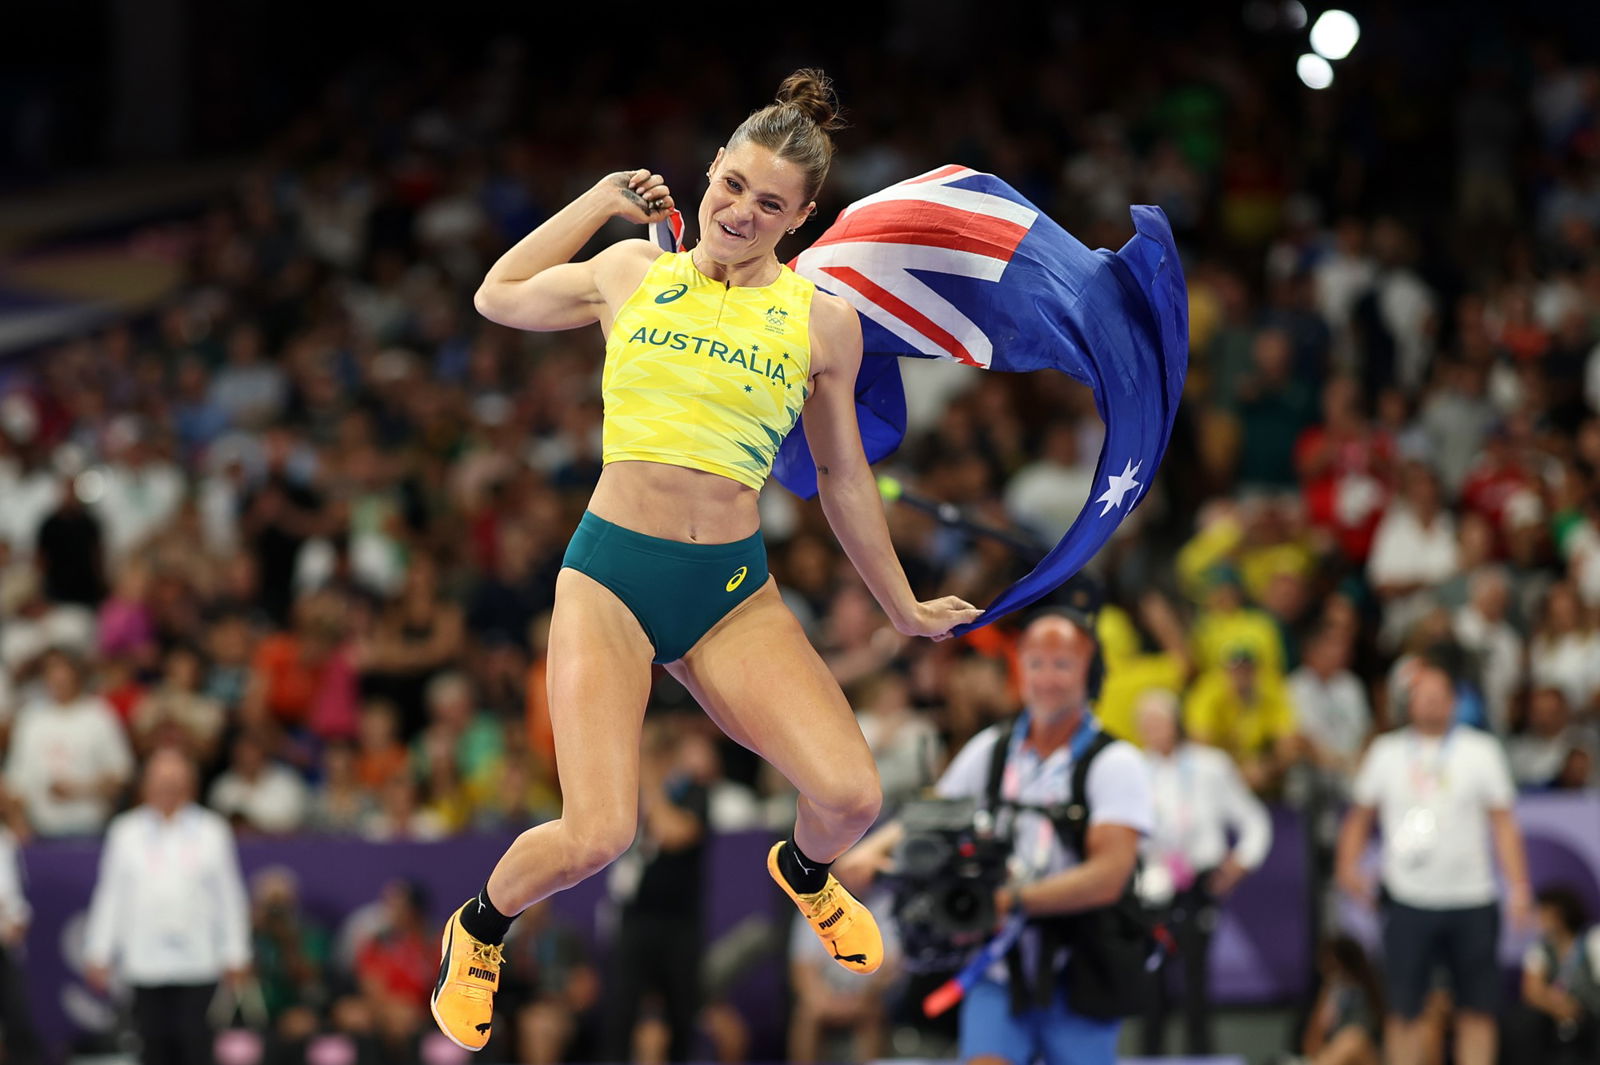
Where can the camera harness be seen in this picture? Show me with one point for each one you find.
(1071, 822)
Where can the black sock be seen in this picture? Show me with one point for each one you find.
(803, 874)
(482, 921)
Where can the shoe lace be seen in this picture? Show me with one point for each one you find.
(488, 953)
(824, 901)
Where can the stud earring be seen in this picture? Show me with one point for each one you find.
(791, 231)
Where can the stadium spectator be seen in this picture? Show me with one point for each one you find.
(1484, 631)
(1189, 868)
(1413, 550)
(394, 967)
(1565, 649)
(1346, 1022)
(1553, 751)
(69, 759)
(552, 989)
(71, 552)
(416, 636)
(1559, 1018)
(472, 741)
(1330, 705)
(257, 792)
(1245, 710)
(1439, 791)
(340, 803)
(830, 1002)
(291, 952)
(169, 914)
(18, 1037)
(659, 888)
(178, 711)
(904, 743)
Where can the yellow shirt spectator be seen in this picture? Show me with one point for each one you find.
(1244, 710)
(1130, 672)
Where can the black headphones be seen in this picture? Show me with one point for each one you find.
(1079, 601)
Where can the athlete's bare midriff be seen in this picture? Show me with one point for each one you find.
(675, 503)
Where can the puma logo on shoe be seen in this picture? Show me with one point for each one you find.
(481, 974)
(832, 920)
(484, 1027)
(851, 959)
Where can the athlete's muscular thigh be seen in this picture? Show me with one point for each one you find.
(599, 683)
(758, 677)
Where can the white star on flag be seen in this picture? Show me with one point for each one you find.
(1121, 484)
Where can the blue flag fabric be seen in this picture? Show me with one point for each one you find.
(956, 264)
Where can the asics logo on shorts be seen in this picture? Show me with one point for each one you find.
(738, 577)
(672, 293)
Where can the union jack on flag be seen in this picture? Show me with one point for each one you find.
(955, 264)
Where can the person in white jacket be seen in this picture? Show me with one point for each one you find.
(1188, 866)
(17, 1034)
(169, 913)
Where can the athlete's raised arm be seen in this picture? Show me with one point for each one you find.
(845, 485)
(536, 286)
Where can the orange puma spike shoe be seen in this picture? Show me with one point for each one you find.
(469, 974)
(846, 927)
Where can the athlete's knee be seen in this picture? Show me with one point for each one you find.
(594, 843)
(854, 799)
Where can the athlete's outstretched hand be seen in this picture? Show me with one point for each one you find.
(640, 196)
(936, 617)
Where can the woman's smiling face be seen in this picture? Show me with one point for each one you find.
(753, 199)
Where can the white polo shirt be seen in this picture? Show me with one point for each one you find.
(1433, 796)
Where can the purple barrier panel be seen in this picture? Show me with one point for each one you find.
(1261, 952)
(338, 876)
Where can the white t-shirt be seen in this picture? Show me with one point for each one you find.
(75, 744)
(1333, 712)
(276, 801)
(1433, 798)
(1118, 789)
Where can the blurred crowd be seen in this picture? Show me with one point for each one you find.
(304, 521)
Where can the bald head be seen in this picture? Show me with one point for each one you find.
(1055, 656)
(169, 780)
(1054, 632)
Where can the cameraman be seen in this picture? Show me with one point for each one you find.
(1002, 1022)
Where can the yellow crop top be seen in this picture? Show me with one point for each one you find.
(704, 375)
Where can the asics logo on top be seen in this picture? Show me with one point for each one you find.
(672, 293)
(738, 577)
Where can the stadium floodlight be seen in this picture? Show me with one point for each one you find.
(1315, 71)
(1334, 33)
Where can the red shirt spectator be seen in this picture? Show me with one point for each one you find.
(1344, 466)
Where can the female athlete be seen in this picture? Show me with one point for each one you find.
(710, 355)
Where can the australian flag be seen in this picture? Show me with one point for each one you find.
(955, 264)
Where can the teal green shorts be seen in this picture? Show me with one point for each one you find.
(678, 591)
